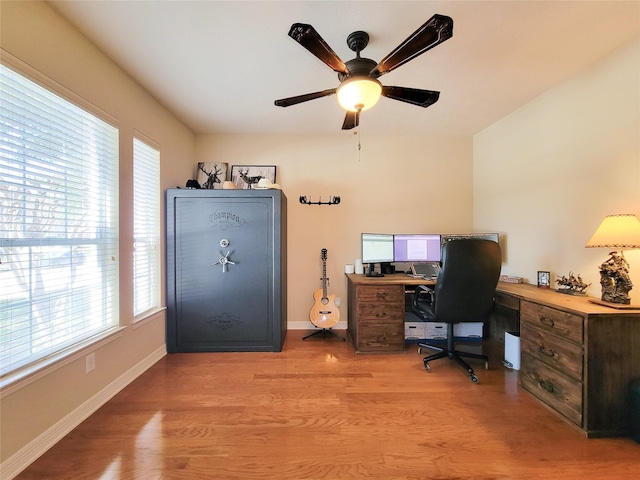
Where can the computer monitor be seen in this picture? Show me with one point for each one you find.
(416, 248)
(376, 248)
(494, 237)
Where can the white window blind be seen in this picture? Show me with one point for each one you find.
(58, 224)
(146, 227)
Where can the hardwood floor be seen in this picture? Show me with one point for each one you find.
(318, 411)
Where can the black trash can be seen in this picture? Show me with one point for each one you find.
(635, 409)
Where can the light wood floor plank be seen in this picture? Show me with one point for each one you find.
(318, 411)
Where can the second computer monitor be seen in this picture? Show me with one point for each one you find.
(416, 248)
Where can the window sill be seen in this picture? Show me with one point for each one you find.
(147, 316)
(16, 380)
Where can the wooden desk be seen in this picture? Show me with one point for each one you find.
(577, 357)
(376, 311)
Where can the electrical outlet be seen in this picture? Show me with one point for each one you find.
(90, 362)
(337, 301)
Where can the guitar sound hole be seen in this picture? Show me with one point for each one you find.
(324, 301)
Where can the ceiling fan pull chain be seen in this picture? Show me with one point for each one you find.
(359, 128)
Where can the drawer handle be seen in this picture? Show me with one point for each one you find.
(381, 294)
(547, 351)
(381, 314)
(548, 386)
(546, 321)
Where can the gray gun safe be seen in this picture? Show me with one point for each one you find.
(226, 270)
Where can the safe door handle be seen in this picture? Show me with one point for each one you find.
(224, 260)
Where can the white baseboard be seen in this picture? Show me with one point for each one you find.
(307, 325)
(24, 457)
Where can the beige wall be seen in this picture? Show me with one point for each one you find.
(33, 33)
(547, 174)
(396, 185)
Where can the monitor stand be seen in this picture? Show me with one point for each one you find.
(371, 273)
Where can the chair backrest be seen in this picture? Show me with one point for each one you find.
(467, 283)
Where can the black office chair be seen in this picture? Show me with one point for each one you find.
(463, 292)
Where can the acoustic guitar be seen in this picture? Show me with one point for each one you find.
(324, 313)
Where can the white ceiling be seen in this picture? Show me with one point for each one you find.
(219, 65)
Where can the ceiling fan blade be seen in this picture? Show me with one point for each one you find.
(435, 31)
(414, 96)
(351, 120)
(287, 102)
(309, 38)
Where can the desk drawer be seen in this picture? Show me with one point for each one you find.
(559, 392)
(555, 352)
(564, 324)
(381, 337)
(381, 294)
(506, 300)
(380, 312)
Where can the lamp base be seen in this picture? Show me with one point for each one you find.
(619, 306)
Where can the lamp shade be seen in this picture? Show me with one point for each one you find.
(617, 231)
(359, 93)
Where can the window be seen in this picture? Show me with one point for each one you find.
(58, 224)
(146, 228)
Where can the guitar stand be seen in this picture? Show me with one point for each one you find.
(324, 332)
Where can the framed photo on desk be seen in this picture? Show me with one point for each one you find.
(544, 279)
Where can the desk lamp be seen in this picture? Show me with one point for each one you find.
(616, 231)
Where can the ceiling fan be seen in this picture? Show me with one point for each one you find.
(359, 87)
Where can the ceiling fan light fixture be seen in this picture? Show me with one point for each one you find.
(359, 93)
(359, 87)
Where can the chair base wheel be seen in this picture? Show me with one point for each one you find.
(451, 353)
